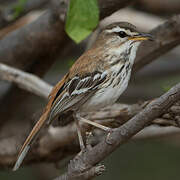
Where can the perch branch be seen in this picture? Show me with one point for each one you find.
(83, 162)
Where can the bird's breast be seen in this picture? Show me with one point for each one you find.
(110, 91)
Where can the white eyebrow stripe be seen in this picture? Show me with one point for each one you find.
(115, 29)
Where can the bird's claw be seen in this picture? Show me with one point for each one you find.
(99, 169)
(108, 138)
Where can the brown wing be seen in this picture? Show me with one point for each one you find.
(75, 92)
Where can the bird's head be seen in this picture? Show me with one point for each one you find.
(119, 33)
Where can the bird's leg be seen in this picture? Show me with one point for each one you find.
(89, 135)
(81, 142)
(104, 128)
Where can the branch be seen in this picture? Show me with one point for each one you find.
(112, 116)
(107, 7)
(157, 132)
(85, 161)
(128, 14)
(26, 81)
(36, 42)
(7, 16)
(153, 6)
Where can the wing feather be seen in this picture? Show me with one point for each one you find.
(77, 90)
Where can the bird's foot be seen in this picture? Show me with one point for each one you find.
(87, 146)
(108, 137)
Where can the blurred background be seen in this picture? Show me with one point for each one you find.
(157, 159)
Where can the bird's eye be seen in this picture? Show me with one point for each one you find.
(122, 34)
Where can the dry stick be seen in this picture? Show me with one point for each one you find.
(7, 16)
(82, 163)
(26, 81)
(138, 18)
(107, 7)
(156, 131)
(170, 7)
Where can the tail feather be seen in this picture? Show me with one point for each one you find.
(21, 157)
(26, 146)
(39, 124)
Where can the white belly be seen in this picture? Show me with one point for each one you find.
(107, 95)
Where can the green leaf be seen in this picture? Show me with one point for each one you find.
(82, 18)
(19, 8)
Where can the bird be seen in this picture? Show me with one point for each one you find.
(95, 80)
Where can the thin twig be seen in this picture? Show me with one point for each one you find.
(26, 81)
(8, 15)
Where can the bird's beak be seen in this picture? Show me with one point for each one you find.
(142, 37)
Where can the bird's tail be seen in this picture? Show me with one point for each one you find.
(39, 124)
(30, 139)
